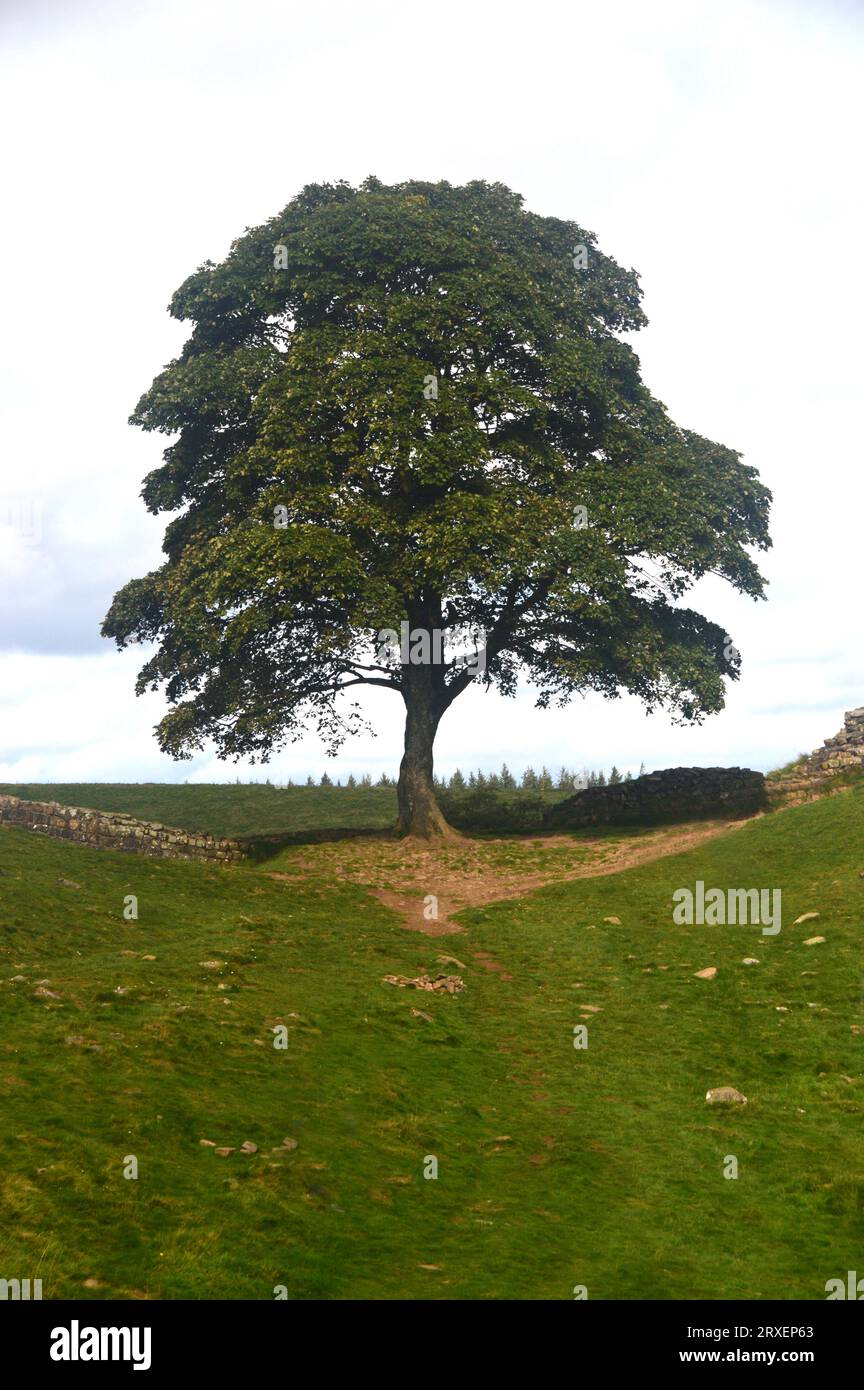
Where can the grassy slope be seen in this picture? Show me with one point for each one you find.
(223, 809)
(260, 810)
(635, 1174)
(612, 1172)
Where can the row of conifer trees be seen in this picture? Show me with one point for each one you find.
(505, 780)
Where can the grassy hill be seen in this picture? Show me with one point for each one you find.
(226, 809)
(256, 810)
(557, 1166)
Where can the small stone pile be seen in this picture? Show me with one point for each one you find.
(450, 984)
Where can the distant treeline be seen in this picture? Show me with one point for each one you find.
(530, 780)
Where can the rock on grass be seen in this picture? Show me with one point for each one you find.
(725, 1095)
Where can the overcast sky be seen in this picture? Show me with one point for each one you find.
(714, 147)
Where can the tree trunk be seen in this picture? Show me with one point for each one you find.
(419, 813)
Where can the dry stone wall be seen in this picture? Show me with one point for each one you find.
(111, 830)
(843, 751)
(675, 794)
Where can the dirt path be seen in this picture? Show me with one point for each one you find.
(437, 882)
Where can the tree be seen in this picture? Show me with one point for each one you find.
(641, 769)
(396, 411)
(508, 781)
(457, 782)
(601, 778)
(530, 781)
(325, 780)
(614, 776)
(352, 780)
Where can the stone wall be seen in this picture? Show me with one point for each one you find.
(814, 776)
(675, 794)
(843, 751)
(111, 830)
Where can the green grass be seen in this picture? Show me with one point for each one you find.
(635, 1175)
(225, 809)
(258, 811)
(612, 1172)
(788, 769)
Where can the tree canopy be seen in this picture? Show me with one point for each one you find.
(413, 403)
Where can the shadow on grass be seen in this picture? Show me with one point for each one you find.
(259, 849)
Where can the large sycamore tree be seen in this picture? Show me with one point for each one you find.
(412, 404)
